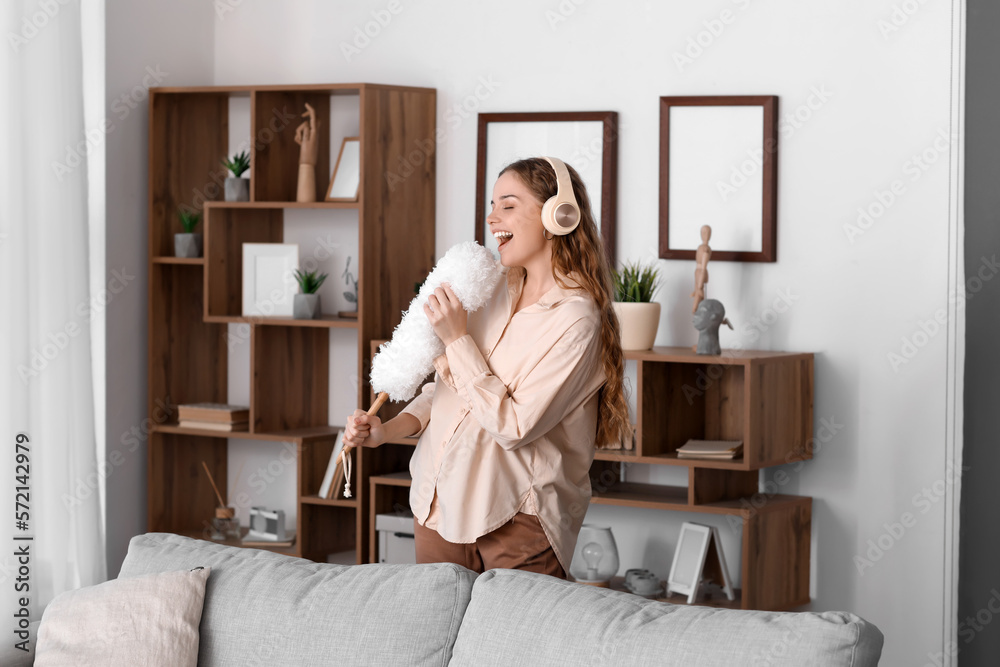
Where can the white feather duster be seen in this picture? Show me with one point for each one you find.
(402, 364)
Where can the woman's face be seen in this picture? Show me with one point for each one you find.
(516, 222)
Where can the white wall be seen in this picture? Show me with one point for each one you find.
(868, 102)
(148, 44)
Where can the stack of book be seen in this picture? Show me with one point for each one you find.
(333, 481)
(214, 416)
(711, 449)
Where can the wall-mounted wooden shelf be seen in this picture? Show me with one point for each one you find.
(764, 399)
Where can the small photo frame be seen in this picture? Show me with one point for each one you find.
(695, 543)
(347, 173)
(269, 284)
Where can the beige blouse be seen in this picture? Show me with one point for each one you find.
(509, 423)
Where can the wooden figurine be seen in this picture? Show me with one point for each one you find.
(307, 136)
(702, 255)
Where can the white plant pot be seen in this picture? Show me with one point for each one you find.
(639, 322)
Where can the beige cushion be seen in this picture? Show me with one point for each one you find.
(147, 620)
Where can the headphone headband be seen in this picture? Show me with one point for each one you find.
(561, 213)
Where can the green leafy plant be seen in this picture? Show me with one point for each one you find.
(636, 283)
(309, 282)
(239, 164)
(189, 220)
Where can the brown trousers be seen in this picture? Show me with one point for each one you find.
(519, 544)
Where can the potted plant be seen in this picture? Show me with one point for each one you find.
(306, 305)
(237, 188)
(638, 314)
(188, 244)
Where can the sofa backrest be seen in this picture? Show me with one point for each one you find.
(263, 608)
(522, 618)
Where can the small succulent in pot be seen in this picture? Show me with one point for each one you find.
(188, 244)
(639, 316)
(306, 306)
(237, 188)
(636, 283)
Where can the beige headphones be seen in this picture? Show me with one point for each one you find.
(561, 213)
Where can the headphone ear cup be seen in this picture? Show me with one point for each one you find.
(559, 216)
(561, 213)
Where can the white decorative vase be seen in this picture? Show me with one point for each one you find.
(639, 322)
(595, 558)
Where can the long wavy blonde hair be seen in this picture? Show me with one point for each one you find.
(582, 252)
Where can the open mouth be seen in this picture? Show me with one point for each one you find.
(502, 238)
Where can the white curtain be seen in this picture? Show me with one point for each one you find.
(46, 389)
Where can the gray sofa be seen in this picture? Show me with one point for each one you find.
(266, 609)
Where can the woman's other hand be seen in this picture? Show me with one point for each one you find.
(446, 314)
(363, 430)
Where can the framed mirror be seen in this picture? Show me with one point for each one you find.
(719, 167)
(587, 140)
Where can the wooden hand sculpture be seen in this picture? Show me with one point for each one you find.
(307, 136)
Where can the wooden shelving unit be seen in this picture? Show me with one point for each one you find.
(764, 399)
(192, 301)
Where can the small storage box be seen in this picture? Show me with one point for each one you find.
(395, 539)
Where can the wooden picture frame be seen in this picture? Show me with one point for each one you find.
(346, 179)
(719, 167)
(587, 140)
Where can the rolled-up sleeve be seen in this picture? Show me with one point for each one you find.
(556, 385)
(420, 407)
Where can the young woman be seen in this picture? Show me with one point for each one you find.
(527, 388)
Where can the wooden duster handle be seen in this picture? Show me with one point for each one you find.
(345, 455)
(382, 398)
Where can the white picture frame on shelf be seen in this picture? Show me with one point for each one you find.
(696, 543)
(269, 284)
(347, 173)
(689, 560)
